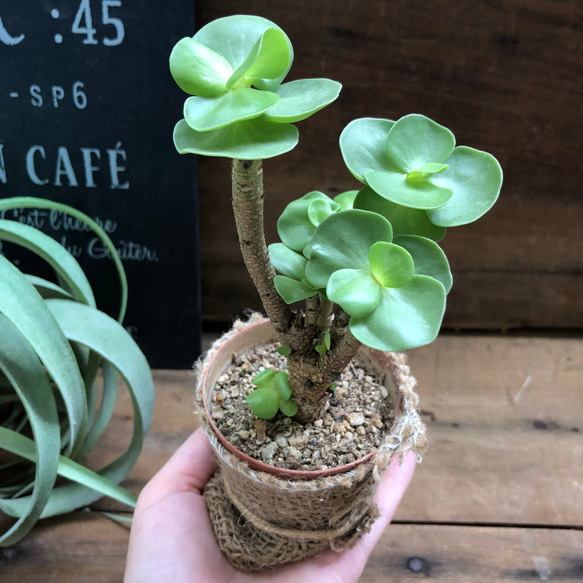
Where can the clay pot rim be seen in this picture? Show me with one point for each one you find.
(258, 465)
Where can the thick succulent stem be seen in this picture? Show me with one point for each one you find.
(310, 373)
(247, 199)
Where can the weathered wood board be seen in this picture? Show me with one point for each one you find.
(497, 497)
(503, 76)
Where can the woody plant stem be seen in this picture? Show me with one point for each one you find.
(310, 373)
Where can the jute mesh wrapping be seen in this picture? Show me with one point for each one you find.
(263, 521)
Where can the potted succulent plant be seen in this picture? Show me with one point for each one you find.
(366, 263)
(60, 358)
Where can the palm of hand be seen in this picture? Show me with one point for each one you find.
(172, 538)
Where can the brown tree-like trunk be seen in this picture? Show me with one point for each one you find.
(310, 373)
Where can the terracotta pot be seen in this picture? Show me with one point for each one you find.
(264, 516)
(378, 363)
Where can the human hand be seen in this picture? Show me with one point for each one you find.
(172, 539)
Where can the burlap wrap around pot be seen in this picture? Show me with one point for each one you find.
(263, 519)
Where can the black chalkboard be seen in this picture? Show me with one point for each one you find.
(87, 109)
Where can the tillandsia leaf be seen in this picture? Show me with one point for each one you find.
(404, 220)
(64, 264)
(264, 402)
(24, 307)
(294, 226)
(254, 139)
(203, 114)
(302, 98)
(287, 262)
(236, 37)
(30, 382)
(391, 265)
(292, 290)
(199, 70)
(363, 146)
(17, 202)
(105, 336)
(25, 447)
(413, 193)
(343, 241)
(355, 290)
(428, 258)
(48, 289)
(415, 140)
(475, 178)
(406, 317)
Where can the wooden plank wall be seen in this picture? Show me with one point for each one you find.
(504, 75)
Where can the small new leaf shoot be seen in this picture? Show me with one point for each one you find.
(284, 350)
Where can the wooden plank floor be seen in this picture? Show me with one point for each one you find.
(499, 496)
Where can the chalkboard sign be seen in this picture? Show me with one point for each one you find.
(87, 109)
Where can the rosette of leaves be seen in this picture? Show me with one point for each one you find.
(295, 227)
(234, 69)
(393, 288)
(423, 183)
(272, 394)
(60, 358)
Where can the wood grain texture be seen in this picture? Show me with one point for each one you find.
(87, 548)
(497, 497)
(505, 76)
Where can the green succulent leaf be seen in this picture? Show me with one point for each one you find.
(281, 383)
(430, 168)
(264, 402)
(254, 139)
(415, 140)
(288, 408)
(321, 209)
(406, 317)
(391, 265)
(475, 178)
(294, 226)
(263, 378)
(287, 262)
(417, 194)
(284, 350)
(342, 241)
(320, 348)
(269, 59)
(204, 114)
(356, 291)
(428, 258)
(404, 220)
(327, 340)
(346, 199)
(235, 38)
(292, 290)
(363, 146)
(302, 98)
(199, 70)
